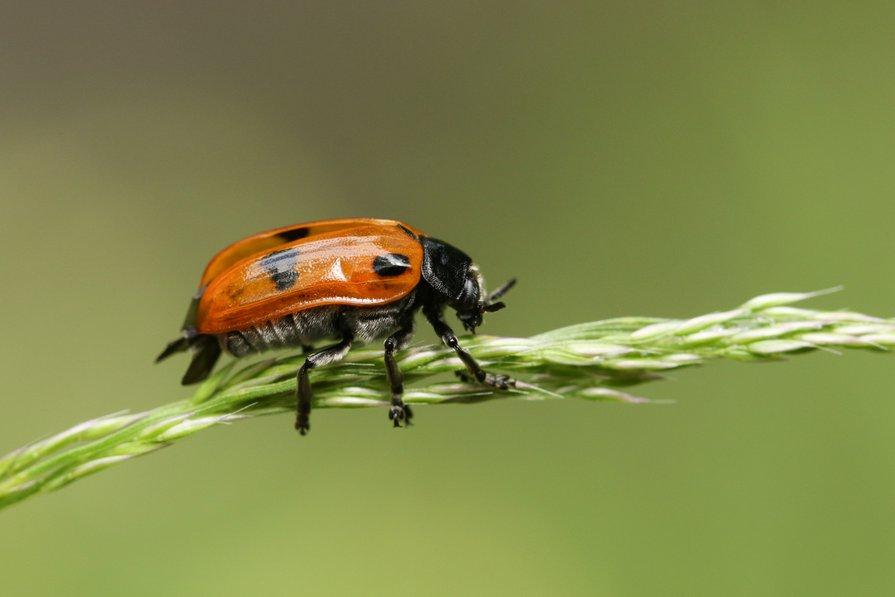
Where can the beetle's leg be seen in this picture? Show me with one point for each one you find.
(323, 356)
(501, 382)
(398, 411)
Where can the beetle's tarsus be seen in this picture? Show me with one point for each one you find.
(394, 415)
(501, 382)
(400, 412)
(498, 382)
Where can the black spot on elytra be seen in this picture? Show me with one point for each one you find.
(280, 266)
(391, 264)
(295, 234)
(407, 231)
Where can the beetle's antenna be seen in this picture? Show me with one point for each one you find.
(499, 292)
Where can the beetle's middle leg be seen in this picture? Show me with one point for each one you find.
(398, 411)
(324, 356)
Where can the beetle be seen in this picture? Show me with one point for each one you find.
(351, 280)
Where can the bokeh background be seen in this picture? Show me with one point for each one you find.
(621, 158)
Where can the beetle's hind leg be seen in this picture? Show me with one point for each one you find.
(324, 356)
(398, 411)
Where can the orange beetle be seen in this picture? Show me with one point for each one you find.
(352, 280)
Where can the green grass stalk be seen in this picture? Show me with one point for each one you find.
(594, 361)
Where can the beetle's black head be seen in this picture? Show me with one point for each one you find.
(458, 283)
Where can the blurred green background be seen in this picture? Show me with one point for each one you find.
(621, 158)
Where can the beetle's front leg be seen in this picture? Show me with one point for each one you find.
(473, 371)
